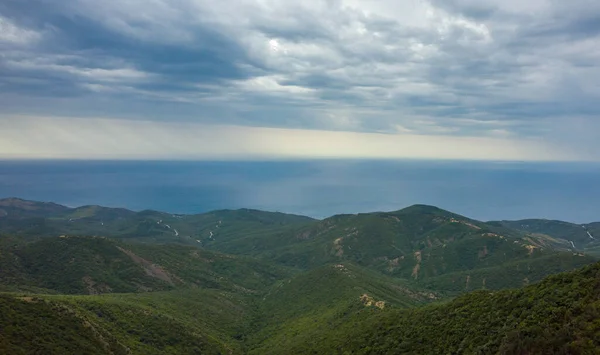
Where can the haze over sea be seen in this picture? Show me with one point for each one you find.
(481, 190)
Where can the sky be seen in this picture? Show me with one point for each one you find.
(265, 79)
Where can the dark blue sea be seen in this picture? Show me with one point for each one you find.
(481, 190)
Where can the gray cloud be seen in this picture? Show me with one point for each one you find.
(461, 67)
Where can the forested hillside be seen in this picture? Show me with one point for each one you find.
(419, 280)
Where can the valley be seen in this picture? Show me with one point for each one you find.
(114, 281)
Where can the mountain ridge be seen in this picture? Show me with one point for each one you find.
(248, 281)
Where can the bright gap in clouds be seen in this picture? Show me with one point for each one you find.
(71, 138)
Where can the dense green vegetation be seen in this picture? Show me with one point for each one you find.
(583, 236)
(31, 326)
(95, 265)
(557, 316)
(113, 281)
(156, 323)
(31, 219)
(76, 265)
(433, 247)
(321, 297)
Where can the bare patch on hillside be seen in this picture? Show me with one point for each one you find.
(493, 235)
(94, 288)
(28, 299)
(395, 218)
(344, 270)
(338, 247)
(369, 301)
(417, 295)
(483, 253)
(530, 248)
(322, 228)
(468, 224)
(304, 235)
(393, 264)
(417, 267)
(151, 269)
(194, 254)
(418, 256)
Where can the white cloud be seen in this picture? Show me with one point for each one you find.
(11, 33)
(271, 84)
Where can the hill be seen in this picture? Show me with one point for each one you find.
(19, 208)
(287, 284)
(431, 246)
(326, 295)
(94, 265)
(577, 236)
(557, 316)
(214, 303)
(191, 321)
(31, 219)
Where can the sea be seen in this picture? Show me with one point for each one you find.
(317, 188)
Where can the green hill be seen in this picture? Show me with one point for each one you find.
(434, 247)
(346, 311)
(32, 220)
(557, 316)
(191, 321)
(582, 236)
(93, 265)
(190, 300)
(107, 280)
(326, 295)
(15, 208)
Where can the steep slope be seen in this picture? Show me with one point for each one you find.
(92, 265)
(320, 297)
(76, 265)
(30, 326)
(556, 316)
(177, 322)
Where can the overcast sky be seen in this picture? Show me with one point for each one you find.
(262, 79)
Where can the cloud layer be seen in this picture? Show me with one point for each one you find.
(499, 71)
(68, 138)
